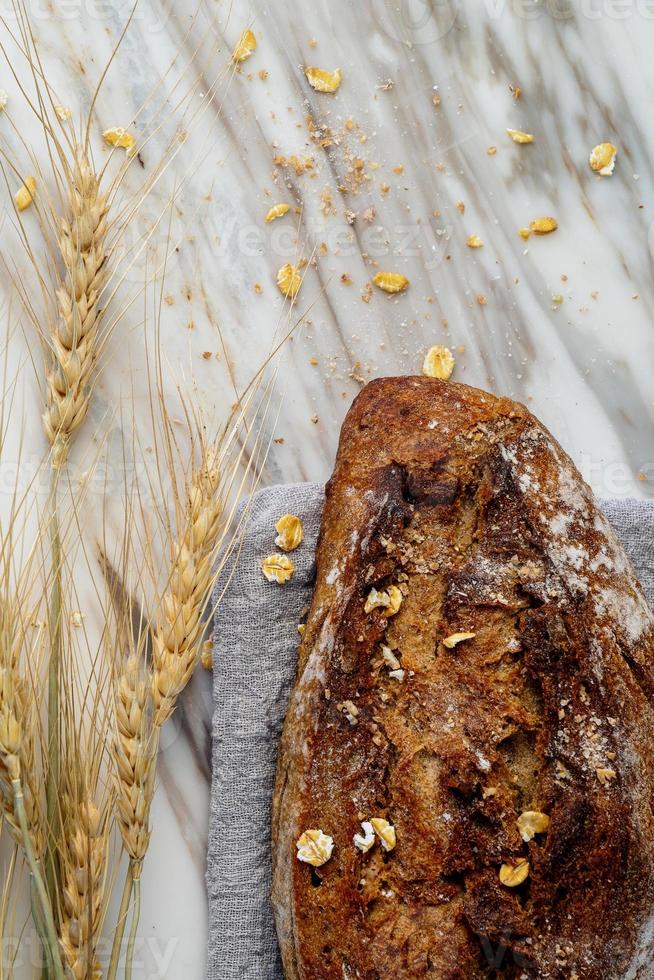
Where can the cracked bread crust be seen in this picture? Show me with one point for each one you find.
(468, 504)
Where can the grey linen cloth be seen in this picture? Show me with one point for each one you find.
(255, 642)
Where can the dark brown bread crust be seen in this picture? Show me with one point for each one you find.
(467, 503)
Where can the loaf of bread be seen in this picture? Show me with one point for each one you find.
(465, 784)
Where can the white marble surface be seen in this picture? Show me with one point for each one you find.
(587, 75)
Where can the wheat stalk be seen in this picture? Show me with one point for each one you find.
(82, 244)
(83, 878)
(178, 633)
(74, 347)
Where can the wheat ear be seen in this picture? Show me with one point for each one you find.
(18, 761)
(135, 753)
(19, 800)
(82, 243)
(83, 878)
(177, 636)
(17, 739)
(134, 750)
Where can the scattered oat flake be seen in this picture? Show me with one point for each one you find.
(515, 91)
(312, 42)
(4, 98)
(474, 241)
(276, 211)
(76, 618)
(366, 293)
(532, 822)
(602, 158)
(389, 658)
(258, 288)
(519, 137)
(455, 638)
(514, 873)
(350, 711)
(605, 775)
(119, 137)
(460, 206)
(543, 226)
(385, 831)
(314, 848)
(391, 282)
(323, 81)
(524, 233)
(289, 280)
(363, 842)
(277, 568)
(491, 151)
(63, 113)
(247, 43)
(388, 601)
(481, 299)
(25, 194)
(438, 363)
(289, 532)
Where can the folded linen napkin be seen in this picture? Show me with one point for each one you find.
(255, 642)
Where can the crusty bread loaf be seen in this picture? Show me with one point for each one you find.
(539, 726)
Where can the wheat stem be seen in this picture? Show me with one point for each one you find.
(119, 931)
(39, 922)
(54, 666)
(50, 937)
(136, 914)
